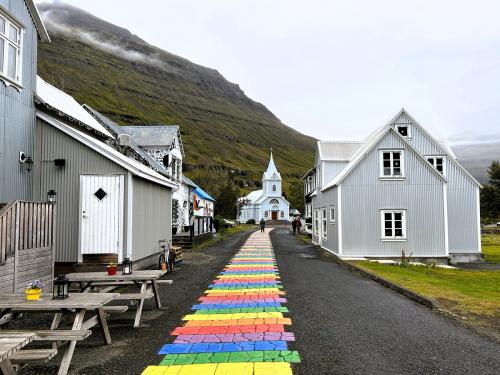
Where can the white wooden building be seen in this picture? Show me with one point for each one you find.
(267, 203)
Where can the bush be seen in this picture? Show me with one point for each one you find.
(251, 221)
(218, 223)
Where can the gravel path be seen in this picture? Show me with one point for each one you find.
(347, 324)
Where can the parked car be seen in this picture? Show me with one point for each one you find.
(228, 224)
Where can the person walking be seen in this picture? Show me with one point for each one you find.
(298, 224)
(262, 224)
(294, 225)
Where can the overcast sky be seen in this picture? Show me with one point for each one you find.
(339, 69)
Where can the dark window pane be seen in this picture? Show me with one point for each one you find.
(397, 216)
(387, 155)
(387, 171)
(388, 225)
(388, 216)
(396, 155)
(403, 130)
(388, 233)
(398, 224)
(397, 163)
(100, 194)
(397, 172)
(398, 232)
(431, 161)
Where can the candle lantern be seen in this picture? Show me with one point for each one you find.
(60, 289)
(127, 267)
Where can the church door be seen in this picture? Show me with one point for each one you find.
(274, 215)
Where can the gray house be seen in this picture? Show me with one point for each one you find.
(25, 226)
(398, 190)
(109, 205)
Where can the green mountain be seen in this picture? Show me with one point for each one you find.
(133, 82)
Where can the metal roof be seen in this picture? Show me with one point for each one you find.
(37, 20)
(338, 151)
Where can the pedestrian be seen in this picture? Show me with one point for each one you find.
(262, 224)
(294, 225)
(298, 224)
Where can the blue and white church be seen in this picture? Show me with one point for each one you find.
(267, 203)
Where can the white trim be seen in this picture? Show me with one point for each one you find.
(110, 153)
(408, 127)
(37, 20)
(324, 224)
(80, 255)
(130, 217)
(332, 219)
(339, 217)
(384, 211)
(391, 160)
(330, 251)
(17, 80)
(446, 230)
(478, 204)
(434, 157)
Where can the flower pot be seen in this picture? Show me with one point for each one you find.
(112, 271)
(33, 294)
(163, 266)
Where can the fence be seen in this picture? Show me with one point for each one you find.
(26, 243)
(202, 225)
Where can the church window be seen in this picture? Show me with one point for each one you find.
(274, 187)
(274, 201)
(266, 213)
(282, 213)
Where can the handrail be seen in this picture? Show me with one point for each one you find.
(25, 225)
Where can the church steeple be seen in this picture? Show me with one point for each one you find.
(272, 172)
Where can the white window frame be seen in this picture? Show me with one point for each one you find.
(266, 213)
(324, 224)
(393, 237)
(316, 222)
(404, 126)
(433, 162)
(332, 217)
(18, 45)
(402, 162)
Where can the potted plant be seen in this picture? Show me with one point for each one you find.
(34, 290)
(112, 268)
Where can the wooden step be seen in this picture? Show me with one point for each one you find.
(33, 356)
(57, 335)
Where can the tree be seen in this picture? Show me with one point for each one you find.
(296, 195)
(226, 197)
(490, 195)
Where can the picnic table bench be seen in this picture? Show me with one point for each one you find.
(147, 280)
(9, 346)
(76, 305)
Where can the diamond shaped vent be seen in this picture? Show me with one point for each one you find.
(100, 194)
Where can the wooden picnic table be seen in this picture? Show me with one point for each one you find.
(9, 345)
(147, 280)
(77, 304)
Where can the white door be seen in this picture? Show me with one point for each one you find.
(101, 214)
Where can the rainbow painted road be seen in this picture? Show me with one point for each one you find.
(238, 327)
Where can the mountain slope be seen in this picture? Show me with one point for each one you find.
(133, 82)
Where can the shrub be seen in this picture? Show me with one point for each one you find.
(251, 221)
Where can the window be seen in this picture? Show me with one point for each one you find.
(332, 214)
(437, 162)
(10, 49)
(266, 213)
(274, 187)
(323, 222)
(404, 130)
(274, 201)
(282, 214)
(391, 164)
(393, 224)
(316, 223)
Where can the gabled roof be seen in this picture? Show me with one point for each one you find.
(271, 170)
(337, 151)
(109, 152)
(37, 20)
(366, 148)
(200, 193)
(254, 196)
(66, 105)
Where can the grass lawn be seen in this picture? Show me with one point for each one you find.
(223, 233)
(491, 247)
(471, 294)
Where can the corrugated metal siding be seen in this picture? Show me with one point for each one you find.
(462, 212)
(152, 217)
(17, 115)
(364, 195)
(54, 144)
(419, 140)
(326, 200)
(331, 169)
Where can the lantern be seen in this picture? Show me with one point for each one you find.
(60, 290)
(127, 267)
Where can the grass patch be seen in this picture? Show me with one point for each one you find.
(224, 233)
(304, 238)
(473, 295)
(491, 247)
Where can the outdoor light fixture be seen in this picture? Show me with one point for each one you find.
(60, 289)
(127, 267)
(26, 160)
(59, 162)
(51, 196)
